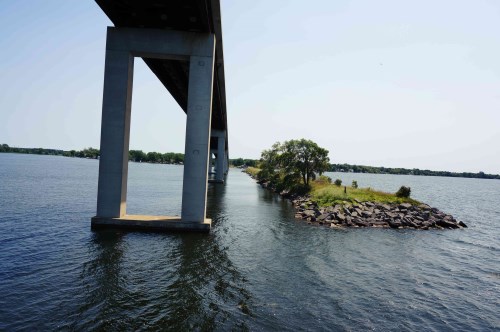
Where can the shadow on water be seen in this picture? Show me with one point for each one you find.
(163, 281)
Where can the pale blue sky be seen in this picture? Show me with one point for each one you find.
(382, 83)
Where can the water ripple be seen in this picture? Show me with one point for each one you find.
(259, 268)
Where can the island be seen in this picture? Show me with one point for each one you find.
(291, 170)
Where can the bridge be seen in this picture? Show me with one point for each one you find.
(181, 42)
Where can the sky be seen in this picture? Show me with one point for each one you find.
(392, 83)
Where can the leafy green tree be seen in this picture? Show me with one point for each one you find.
(154, 157)
(270, 164)
(137, 155)
(305, 158)
(292, 163)
(403, 192)
(4, 148)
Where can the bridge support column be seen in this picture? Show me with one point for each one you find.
(210, 162)
(220, 170)
(122, 45)
(196, 156)
(115, 133)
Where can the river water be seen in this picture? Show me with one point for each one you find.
(258, 269)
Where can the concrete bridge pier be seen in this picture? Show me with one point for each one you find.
(122, 45)
(221, 163)
(211, 162)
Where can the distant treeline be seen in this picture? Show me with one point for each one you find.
(178, 158)
(243, 162)
(85, 153)
(133, 155)
(156, 157)
(91, 153)
(405, 171)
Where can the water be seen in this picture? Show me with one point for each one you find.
(259, 269)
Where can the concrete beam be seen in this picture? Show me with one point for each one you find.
(160, 44)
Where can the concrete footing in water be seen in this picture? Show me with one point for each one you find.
(151, 223)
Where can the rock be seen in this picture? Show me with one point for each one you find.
(405, 205)
(361, 223)
(340, 217)
(385, 207)
(366, 214)
(424, 207)
(414, 225)
(395, 224)
(323, 217)
(309, 213)
(369, 214)
(379, 223)
(446, 224)
(391, 215)
(426, 224)
(406, 221)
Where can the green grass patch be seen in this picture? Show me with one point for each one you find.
(253, 171)
(330, 194)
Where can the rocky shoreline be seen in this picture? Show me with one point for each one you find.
(369, 214)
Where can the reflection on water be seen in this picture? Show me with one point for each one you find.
(187, 282)
(258, 269)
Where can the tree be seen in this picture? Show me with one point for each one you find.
(4, 148)
(293, 161)
(136, 155)
(305, 158)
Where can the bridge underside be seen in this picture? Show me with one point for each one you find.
(180, 15)
(181, 41)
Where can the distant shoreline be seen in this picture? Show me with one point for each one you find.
(178, 159)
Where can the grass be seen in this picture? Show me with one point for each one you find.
(252, 171)
(326, 194)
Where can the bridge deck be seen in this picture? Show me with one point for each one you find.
(183, 15)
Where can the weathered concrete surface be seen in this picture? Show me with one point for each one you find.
(196, 156)
(115, 134)
(156, 223)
